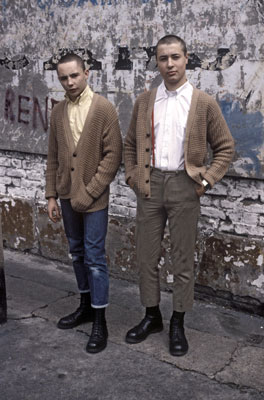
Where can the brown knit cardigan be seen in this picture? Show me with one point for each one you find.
(84, 173)
(205, 124)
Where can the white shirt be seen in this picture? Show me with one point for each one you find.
(171, 111)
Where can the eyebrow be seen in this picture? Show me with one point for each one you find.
(169, 55)
(63, 77)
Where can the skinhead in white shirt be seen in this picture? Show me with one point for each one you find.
(171, 111)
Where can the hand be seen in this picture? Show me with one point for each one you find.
(129, 182)
(53, 210)
(200, 190)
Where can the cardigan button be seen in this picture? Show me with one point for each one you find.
(72, 169)
(148, 135)
(147, 150)
(147, 181)
(74, 155)
(146, 166)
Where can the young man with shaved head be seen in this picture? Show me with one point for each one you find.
(83, 157)
(165, 162)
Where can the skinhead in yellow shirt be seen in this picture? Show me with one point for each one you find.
(77, 112)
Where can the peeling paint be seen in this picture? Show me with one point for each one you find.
(239, 264)
(259, 283)
(260, 260)
(18, 241)
(117, 39)
(247, 248)
(170, 278)
(14, 64)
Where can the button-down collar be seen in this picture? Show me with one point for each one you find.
(86, 93)
(164, 93)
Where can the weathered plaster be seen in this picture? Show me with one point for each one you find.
(18, 220)
(117, 39)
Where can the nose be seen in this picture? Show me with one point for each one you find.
(170, 63)
(70, 81)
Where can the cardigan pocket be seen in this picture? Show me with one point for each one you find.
(81, 200)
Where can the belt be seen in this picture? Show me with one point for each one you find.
(174, 172)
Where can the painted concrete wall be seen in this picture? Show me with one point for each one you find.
(117, 39)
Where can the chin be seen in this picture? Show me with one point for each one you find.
(173, 82)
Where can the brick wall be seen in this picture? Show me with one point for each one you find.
(229, 252)
(22, 175)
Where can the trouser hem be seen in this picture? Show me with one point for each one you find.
(183, 309)
(98, 307)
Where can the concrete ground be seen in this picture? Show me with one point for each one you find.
(40, 362)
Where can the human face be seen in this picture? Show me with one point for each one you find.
(72, 78)
(172, 64)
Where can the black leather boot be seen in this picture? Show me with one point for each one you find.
(84, 313)
(151, 323)
(99, 335)
(178, 342)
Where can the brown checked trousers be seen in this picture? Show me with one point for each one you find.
(173, 198)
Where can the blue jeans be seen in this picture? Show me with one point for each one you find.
(86, 234)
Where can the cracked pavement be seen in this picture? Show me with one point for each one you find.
(41, 362)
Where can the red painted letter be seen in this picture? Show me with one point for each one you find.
(37, 109)
(9, 100)
(22, 110)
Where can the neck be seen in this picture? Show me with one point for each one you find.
(172, 87)
(73, 98)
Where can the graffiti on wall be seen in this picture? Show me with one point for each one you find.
(24, 110)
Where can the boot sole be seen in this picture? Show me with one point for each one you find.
(94, 351)
(178, 353)
(135, 341)
(73, 325)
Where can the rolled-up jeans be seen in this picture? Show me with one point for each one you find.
(86, 233)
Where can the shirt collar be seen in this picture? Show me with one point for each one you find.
(164, 93)
(86, 93)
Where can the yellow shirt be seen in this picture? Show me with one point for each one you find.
(77, 112)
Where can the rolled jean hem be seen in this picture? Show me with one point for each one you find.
(84, 291)
(98, 307)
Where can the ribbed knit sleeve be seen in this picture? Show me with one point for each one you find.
(112, 155)
(130, 146)
(221, 143)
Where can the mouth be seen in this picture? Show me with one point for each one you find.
(171, 73)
